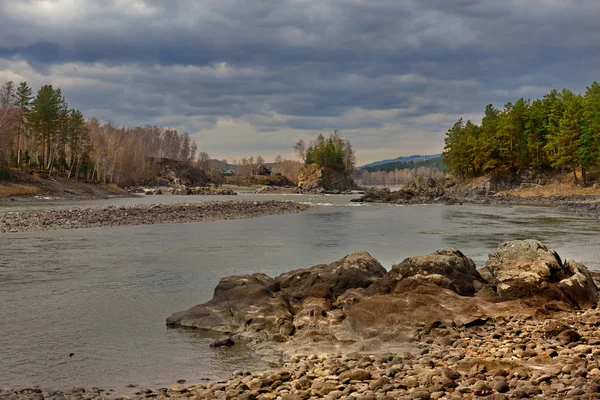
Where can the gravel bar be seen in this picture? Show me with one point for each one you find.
(31, 221)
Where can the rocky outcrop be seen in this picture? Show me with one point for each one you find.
(260, 306)
(316, 179)
(247, 303)
(418, 191)
(355, 302)
(448, 268)
(527, 268)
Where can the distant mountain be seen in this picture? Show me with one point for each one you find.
(413, 158)
(218, 164)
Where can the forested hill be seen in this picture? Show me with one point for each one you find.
(401, 163)
(559, 131)
(416, 157)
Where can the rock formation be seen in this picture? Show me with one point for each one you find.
(316, 179)
(355, 302)
(526, 268)
(419, 190)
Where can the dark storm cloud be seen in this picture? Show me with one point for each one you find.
(382, 69)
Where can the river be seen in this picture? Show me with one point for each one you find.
(103, 294)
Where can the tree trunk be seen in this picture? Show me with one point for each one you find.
(19, 146)
(575, 174)
(42, 146)
(583, 176)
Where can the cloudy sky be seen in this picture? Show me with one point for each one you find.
(254, 76)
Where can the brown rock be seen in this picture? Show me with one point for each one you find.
(355, 375)
(527, 269)
(568, 336)
(447, 268)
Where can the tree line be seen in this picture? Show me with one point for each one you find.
(42, 133)
(435, 163)
(399, 176)
(560, 131)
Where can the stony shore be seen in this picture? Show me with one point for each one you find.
(525, 325)
(428, 191)
(29, 221)
(505, 358)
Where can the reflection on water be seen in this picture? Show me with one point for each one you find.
(104, 293)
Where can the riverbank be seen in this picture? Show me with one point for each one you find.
(583, 201)
(505, 358)
(29, 221)
(24, 186)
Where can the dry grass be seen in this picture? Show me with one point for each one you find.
(111, 187)
(18, 190)
(553, 189)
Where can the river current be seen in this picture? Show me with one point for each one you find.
(103, 294)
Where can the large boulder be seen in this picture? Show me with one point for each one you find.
(425, 187)
(241, 304)
(528, 269)
(356, 270)
(448, 268)
(580, 287)
(258, 305)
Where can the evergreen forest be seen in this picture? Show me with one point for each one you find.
(560, 131)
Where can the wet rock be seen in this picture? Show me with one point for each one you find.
(223, 342)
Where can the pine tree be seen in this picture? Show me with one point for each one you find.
(488, 139)
(564, 143)
(23, 103)
(44, 121)
(589, 149)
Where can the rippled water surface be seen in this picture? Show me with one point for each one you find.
(104, 293)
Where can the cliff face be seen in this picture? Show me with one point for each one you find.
(316, 179)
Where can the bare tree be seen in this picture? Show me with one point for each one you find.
(203, 159)
(300, 149)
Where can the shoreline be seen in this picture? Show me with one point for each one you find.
(35, 221)
(501, 358)
(584, 205)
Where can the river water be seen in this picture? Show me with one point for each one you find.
(103, 294)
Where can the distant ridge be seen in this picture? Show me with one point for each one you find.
(415, 157)
(218, 164)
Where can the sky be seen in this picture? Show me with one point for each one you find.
(250, 77)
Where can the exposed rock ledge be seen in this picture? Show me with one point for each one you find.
(354, 304)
